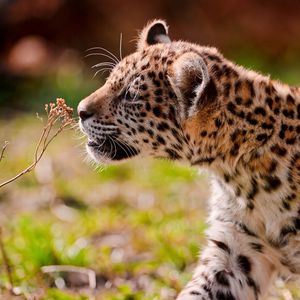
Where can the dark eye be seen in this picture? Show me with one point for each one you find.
(129, 96)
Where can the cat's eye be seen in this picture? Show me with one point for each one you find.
(132, 91)
(129, 96)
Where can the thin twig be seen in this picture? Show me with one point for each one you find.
(58, 112)
(3, 150)
(38, 156)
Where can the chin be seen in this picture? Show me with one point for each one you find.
(119, 154)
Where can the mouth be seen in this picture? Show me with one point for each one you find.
(111, 149)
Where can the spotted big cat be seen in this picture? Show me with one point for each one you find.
(181, 101)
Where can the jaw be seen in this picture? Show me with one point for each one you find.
(111, 153)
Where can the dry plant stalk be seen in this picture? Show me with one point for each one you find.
(57, 112)
(3, 150)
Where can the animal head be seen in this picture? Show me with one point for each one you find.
(150, 99)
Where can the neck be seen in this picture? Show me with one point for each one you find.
(253, 128)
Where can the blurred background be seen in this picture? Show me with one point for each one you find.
(138, 228)
(43, 43)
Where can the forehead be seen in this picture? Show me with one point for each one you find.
(154, 58)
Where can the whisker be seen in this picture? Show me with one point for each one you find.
(99, 168)
(134, 40)
(109, 64)
(111, 148)
(100, 145)
(114, 145)
(125, 144)
(106, 126)
(79, 145)
(137, 93)
(120, 46)
(75, 124)
(104, 55)
(107, 51)
(78, 133)
(126, 149)
(80, 138)
(120, 144)
(104, 132)
(101, 70)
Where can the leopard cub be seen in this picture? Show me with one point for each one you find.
(182, 101)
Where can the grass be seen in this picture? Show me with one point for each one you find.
(137, 225)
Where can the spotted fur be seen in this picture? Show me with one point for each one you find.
(182, 101)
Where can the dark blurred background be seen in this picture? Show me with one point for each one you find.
(43, 43)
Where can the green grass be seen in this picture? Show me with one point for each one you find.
(138, 225)
(135, 224)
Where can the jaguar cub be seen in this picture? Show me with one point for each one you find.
(182, 101)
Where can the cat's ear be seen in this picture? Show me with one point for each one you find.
(153, 33)
(190, 80)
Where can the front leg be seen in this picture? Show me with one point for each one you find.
(233, 266)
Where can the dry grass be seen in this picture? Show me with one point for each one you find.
(56, 113)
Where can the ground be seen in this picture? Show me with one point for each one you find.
(138, 225)
(130, 224)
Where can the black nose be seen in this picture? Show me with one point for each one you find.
(84, 111)
(84, 114)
